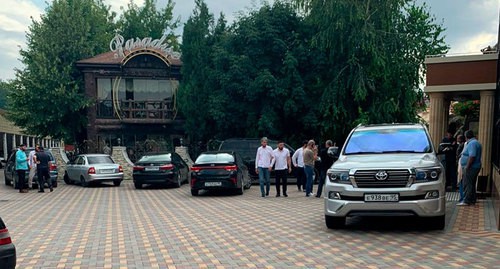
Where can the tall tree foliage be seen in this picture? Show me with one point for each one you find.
(196, 70)
(146, 21)
(250, 79)
(48, 98)
(375, 51)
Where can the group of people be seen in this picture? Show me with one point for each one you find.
(462, 161)
(303, 160)
(37, 162)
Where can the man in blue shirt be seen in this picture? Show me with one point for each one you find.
(21, 168)
(471, 164)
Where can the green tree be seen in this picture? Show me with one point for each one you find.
(5, 87)
(196, 61)
(146, 21)
(250, 79)
(48, 98)
(375, 52)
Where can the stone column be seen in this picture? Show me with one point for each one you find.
(485, 133)
(437, 117)
(14, 144)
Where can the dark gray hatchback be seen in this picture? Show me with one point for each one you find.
(7, 248)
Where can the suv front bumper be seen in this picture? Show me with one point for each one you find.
(343, 200)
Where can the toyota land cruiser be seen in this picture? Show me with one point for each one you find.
(386, 170)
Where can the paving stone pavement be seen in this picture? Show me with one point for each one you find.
(121, 227)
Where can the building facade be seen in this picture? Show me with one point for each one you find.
(464, 78)
(135, 91)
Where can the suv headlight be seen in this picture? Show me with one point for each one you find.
(339, 176)
(427, 174)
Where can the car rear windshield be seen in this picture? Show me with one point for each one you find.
(99, 159)
(395, 140)
(156, 158)
(215, 158)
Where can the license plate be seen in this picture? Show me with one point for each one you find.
(213, 184)
(154, 168)
(107, 171)
(376, 197)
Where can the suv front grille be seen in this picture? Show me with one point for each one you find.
(395, 178)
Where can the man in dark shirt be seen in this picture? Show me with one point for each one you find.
(326, 163)
(42, 166)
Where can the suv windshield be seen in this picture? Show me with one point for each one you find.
(396, 140)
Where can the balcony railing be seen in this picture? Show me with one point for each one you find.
(133, 109)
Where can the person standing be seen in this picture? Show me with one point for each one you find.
(21, 168)
(298, 163)
(450, 160)
(471, 163)
(42, 167)
(310, 155)
(326, 162)
(263, 166)
(282, 166)
(32, 166)
(460, 182)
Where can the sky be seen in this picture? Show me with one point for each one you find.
(470, 24)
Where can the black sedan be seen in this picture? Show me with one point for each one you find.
(7, 248)
(219, 170)
(160, 168)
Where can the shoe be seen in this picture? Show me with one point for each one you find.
(318, 196)
(307, 195)
(41, 191)
(51, 189)
(23, 191)
(311, 194)
(286, 195)
(267, 193)
(462, 204)
(278, 195)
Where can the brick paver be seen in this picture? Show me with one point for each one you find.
(121, 227)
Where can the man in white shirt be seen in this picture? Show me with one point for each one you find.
(298, 163)
(32, 166)
(282, 166)
(263, 166)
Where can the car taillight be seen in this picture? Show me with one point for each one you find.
(120, 169)
(167, 167)
(193, 181)
(5, 237)
(195, 169)
(138, 168)
(91, 170)
(52, 166)
(231, 168)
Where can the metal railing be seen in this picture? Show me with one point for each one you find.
(134, 109)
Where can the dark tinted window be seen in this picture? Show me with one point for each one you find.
(99, 159)
(156, 158)
(215, 158)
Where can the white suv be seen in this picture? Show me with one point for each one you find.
(386, 170)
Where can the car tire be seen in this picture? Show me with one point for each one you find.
(194, 192)
(66, 179)
(240, 190)
(83, 182)
(178, 183)
(437, 223)
(138, 185)
(117, 182)
(335, 222)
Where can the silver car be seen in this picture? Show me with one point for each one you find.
(89, 168)
(386, 170)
